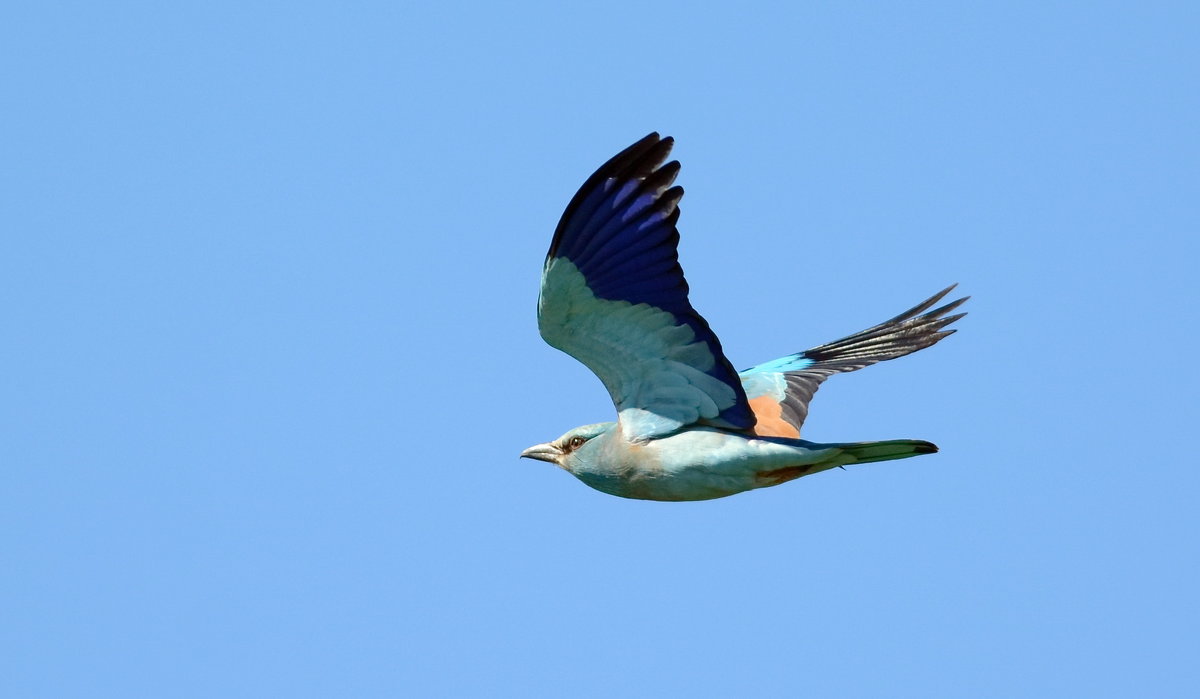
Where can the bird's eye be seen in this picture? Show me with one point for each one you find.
(575, 443)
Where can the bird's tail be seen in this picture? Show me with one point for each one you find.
(867, 452)
(844, 455)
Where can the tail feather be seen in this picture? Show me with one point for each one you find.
(868, 452)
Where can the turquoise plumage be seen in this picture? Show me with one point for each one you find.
(688, 426)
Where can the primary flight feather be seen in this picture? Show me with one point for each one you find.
(688, 426)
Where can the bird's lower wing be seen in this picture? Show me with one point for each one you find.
(780, 391)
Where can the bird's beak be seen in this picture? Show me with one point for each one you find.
(542, 452)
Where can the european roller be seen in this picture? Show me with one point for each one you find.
(688, 426)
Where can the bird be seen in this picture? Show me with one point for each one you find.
(688, 426)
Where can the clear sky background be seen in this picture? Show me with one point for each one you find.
(269, 271)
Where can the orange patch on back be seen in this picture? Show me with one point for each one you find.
(770, 419)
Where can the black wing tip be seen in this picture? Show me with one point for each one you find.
(948, 307)
(915, 329)
(637, 161)
(661, 179)
(928, 303)
(654, 137)
(923, 447)
(950, 319)
(938, 296)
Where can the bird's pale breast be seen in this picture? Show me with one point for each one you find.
(694, 464)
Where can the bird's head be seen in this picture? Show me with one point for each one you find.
(572, 448)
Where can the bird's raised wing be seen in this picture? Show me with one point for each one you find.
(613, 296)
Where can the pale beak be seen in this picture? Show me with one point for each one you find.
(542, 452)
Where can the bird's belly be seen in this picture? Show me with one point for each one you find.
(652, 484)
(696, 465)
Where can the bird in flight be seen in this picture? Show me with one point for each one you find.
(688, 426)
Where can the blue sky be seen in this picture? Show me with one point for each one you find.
(269, 276)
